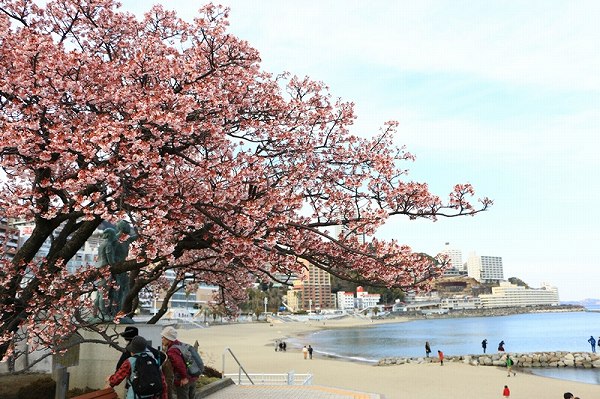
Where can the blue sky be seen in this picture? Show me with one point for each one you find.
(501, 94)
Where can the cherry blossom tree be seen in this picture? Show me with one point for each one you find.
(229, 174)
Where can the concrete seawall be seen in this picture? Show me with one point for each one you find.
(535, 359)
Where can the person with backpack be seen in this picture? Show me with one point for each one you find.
(143, 374)
(184, 381)
(509, 365)
(128, 334)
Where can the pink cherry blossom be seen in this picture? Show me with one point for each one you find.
(228, 173)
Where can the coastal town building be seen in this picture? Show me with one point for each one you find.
(365, 300)
(361, 300)
(460, 302)
(485, 269)
(344, 231)
(85, 256)
(186, 302)
(345, 300)
(456, 267)
(511, 295)
(312, 291)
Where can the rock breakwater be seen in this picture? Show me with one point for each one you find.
(525, 360)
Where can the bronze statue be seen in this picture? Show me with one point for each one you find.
(113, 251)
(125, 236)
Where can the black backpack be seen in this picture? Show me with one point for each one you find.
(146, 377)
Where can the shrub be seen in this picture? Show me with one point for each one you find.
(204, 380)
(211, 372)
(41, 389)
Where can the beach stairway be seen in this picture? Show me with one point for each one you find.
(274, 386)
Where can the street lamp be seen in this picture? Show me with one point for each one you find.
(265, 301)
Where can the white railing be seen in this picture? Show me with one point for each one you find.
(290, 378)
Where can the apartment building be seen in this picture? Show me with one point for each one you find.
(312, 291)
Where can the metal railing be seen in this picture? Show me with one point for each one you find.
(241, 368)
(290, 378)
(243, 378)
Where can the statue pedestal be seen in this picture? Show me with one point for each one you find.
(98, 361)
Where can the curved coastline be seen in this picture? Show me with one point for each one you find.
(541, 357)
(313, 326)
(493, 312)
(253, 345)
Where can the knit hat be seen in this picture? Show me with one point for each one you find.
(129, 333)
(137, 345)
(169, 333)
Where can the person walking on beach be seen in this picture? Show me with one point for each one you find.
(506, 392)
(509, 365)
(310, 351)
(441, 356)
(501, 346)
(484, 344)
(427, 348)
(592, 342)
(305, 352)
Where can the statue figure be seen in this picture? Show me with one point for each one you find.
(113, 251)
(106, 256)
(125, 237)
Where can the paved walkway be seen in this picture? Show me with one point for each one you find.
(288, 392)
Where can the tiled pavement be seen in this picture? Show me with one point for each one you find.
(288, 392)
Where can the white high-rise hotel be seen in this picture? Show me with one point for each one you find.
(486, 269)
(455, 259)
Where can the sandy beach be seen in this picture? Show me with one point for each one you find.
(253, 345)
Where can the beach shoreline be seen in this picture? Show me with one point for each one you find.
(253, 344)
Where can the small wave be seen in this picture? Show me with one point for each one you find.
(350, 358)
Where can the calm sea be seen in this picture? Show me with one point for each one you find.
(536, 332)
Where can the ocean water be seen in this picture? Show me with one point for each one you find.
(535, 332)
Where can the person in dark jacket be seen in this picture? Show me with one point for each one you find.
(592, 342)
(484, 344)
(184, 384)
(128, 335)
(137, 345)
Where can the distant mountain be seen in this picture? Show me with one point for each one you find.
(588, 303)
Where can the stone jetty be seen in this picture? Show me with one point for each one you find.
(535, 359)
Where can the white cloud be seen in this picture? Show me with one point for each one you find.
(522, 43)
